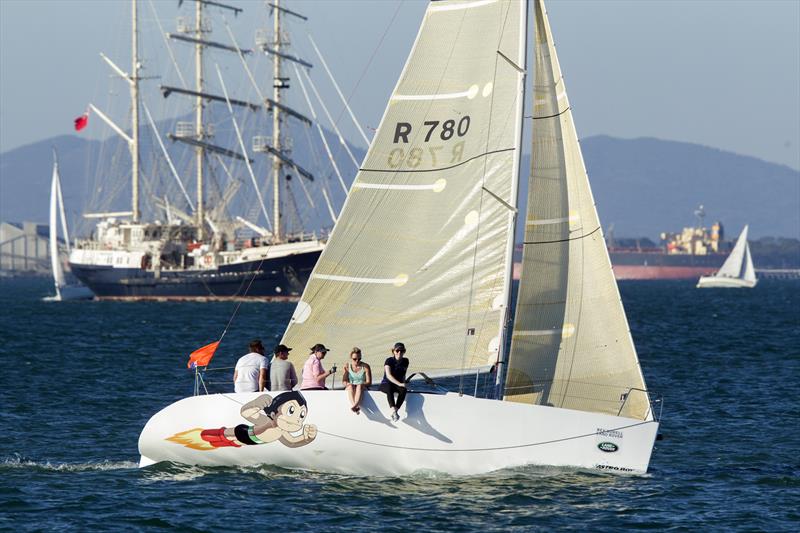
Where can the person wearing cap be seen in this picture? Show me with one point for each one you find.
(394, 378)
(282, 376)
(250, 374)
(314, 375)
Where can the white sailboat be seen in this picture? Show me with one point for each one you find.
(422, 253)
(64, 290)
(737, 271)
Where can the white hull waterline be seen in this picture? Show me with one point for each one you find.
(718, 282)
(459, 435)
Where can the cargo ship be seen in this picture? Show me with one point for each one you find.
(694, 252)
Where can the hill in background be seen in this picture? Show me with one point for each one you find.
(646, 186)
(641, 186)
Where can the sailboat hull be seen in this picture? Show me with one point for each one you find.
(459, 435)
(719, 282)
(71, 292)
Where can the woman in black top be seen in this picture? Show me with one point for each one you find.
(394, 378)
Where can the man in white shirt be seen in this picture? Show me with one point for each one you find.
(250, 374)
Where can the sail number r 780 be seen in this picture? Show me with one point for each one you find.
(433, 128)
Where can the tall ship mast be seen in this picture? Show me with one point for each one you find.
(201, 251)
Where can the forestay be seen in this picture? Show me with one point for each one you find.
(571, 347)
(421, 250)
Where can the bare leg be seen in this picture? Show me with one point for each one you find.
(358, 392)
(350, 395)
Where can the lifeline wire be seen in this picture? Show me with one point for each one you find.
(414, 448)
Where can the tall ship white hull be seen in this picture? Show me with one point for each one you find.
(460, 435)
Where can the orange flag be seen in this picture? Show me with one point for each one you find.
(202, 356)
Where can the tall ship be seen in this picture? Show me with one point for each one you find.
(689, 254)
(194, 248)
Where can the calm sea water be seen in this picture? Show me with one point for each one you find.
(80, 379)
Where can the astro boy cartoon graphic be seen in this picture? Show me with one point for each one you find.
(273, 419)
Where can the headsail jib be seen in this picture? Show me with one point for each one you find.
(571, 347)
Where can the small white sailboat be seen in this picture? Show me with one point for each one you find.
(64, 290)
(422, 253)
(737, 271)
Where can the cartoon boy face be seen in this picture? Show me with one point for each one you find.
(291, 416)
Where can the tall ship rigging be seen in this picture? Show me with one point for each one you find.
(201, 250)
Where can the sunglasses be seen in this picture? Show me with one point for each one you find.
(399, 351)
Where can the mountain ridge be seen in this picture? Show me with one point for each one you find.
(643, 186)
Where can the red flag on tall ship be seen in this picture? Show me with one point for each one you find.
(81, 121)
(202, 356)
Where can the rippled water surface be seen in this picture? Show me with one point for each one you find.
(80, 379)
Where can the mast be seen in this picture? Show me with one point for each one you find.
(135, 113)
(199, 149)
(277, 85)
(502, 354)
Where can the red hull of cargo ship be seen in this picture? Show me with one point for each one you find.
(623, 272)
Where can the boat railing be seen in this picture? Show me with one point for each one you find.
(656, 402)
(211, 381)
(203, 380)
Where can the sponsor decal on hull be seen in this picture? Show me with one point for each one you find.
(614, 468)
(613, 433)
(608, 447)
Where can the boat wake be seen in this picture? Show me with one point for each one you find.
(18, 461)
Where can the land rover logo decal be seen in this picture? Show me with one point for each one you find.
(609, 447)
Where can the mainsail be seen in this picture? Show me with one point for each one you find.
(422, 249)
(571, 347)
(732, 267)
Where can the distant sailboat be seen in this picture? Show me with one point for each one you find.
(422, 252)
(736, 272)
(64, 290)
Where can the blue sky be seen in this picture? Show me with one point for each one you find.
(721, 74)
